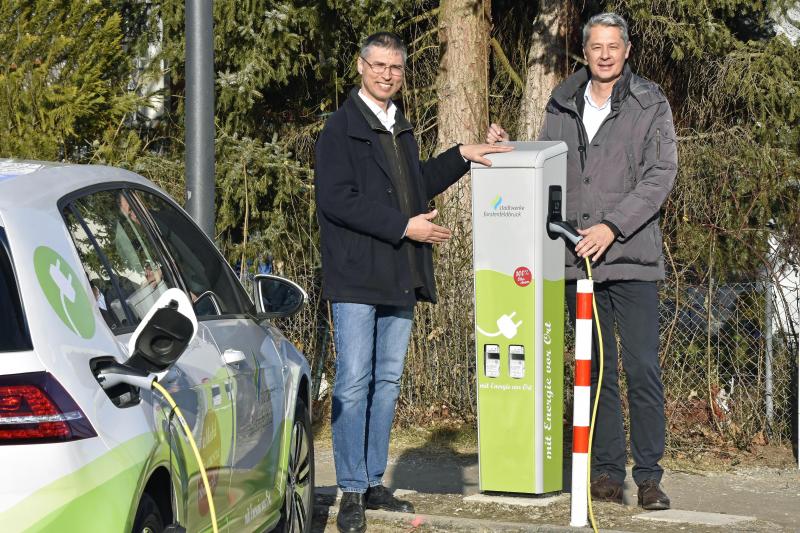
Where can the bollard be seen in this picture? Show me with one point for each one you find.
(581, 402)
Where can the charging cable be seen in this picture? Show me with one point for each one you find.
(193, 444)
(596, 401)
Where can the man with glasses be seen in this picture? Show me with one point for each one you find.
(376, 234)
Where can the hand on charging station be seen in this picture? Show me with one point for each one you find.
(421, 229)
(496, 133)
(475, 152)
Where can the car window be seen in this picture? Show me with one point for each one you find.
(133, 274)
(207, 276)
(105, 290)
(13, 331)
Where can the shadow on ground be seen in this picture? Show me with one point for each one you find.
(411, 470)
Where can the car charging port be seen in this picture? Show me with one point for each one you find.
(122, 394)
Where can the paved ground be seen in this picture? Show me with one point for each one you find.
(758, 499)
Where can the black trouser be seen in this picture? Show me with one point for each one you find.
(633, 307)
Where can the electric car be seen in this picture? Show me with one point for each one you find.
(85, 254)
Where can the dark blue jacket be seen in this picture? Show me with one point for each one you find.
(361, 224)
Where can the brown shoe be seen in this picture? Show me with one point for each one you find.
(605, 489)
(651, 497)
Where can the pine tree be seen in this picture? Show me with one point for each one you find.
(64, 76)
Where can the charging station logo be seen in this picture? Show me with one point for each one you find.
(503, 210)
(522, 276)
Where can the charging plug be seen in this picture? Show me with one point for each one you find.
(507, 326)
(559, 227)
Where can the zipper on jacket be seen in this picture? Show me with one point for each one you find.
(396, 151)
(658, 144)
(584, 140)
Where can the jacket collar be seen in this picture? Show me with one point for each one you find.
(358, 129)
(571, 90)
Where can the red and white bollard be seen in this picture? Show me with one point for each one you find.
(581, 416)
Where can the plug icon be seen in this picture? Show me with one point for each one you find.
(505, 327)
(65, 288)
(64, 283)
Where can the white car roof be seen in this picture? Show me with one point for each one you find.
(38, 185)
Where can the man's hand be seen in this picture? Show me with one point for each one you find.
(595, 242)
(496, 133)
(475, 152)
(421, 229)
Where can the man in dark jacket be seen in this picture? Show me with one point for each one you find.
(376, 233)
(621, 166)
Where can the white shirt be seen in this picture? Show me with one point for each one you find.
(594, 115)
(386, 117)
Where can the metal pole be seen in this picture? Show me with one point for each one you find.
(768, 381)
(200, 178)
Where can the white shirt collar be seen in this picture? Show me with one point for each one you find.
(386, 117)
(588, 97)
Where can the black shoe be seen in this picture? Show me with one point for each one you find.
(379, 497)
(351, 518)
(605, 489)
(651, 497)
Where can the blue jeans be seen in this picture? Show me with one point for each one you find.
(371, 343)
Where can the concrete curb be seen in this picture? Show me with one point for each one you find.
(416, 520)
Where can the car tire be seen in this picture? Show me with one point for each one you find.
(148, 516)
(298, 505)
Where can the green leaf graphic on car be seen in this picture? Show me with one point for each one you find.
(64, 291)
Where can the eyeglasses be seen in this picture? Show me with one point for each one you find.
(380, 68)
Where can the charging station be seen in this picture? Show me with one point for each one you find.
(519, 317)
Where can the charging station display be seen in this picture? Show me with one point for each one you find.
(519, 317)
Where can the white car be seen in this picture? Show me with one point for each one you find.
(86, 255)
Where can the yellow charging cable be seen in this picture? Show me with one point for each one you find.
(596, 399)
(188, 432)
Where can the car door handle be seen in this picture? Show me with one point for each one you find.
(232, 357)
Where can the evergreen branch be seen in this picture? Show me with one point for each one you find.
(424, 34)
(503, 59)
(419, 18)
(709, 135)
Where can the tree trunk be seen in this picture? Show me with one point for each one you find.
(462, 89)
(462, 84)
(546, 60)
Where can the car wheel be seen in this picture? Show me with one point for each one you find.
(298, 505)
(148, 517)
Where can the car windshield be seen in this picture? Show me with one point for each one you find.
(13, 330)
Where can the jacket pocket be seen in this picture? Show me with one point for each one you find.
(631, 178)
(641, 248)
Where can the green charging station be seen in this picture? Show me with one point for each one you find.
(519, 317)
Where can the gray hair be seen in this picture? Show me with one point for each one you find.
(384, 39)
(607, 19)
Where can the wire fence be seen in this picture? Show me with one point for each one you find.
(729, 358)
(729, 366)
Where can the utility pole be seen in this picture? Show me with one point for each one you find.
(200, 177)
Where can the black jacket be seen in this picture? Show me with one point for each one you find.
(361, 222)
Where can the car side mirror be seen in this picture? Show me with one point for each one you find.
(163, 334)
(278, 297)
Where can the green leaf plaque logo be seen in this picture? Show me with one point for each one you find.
(64, 291)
